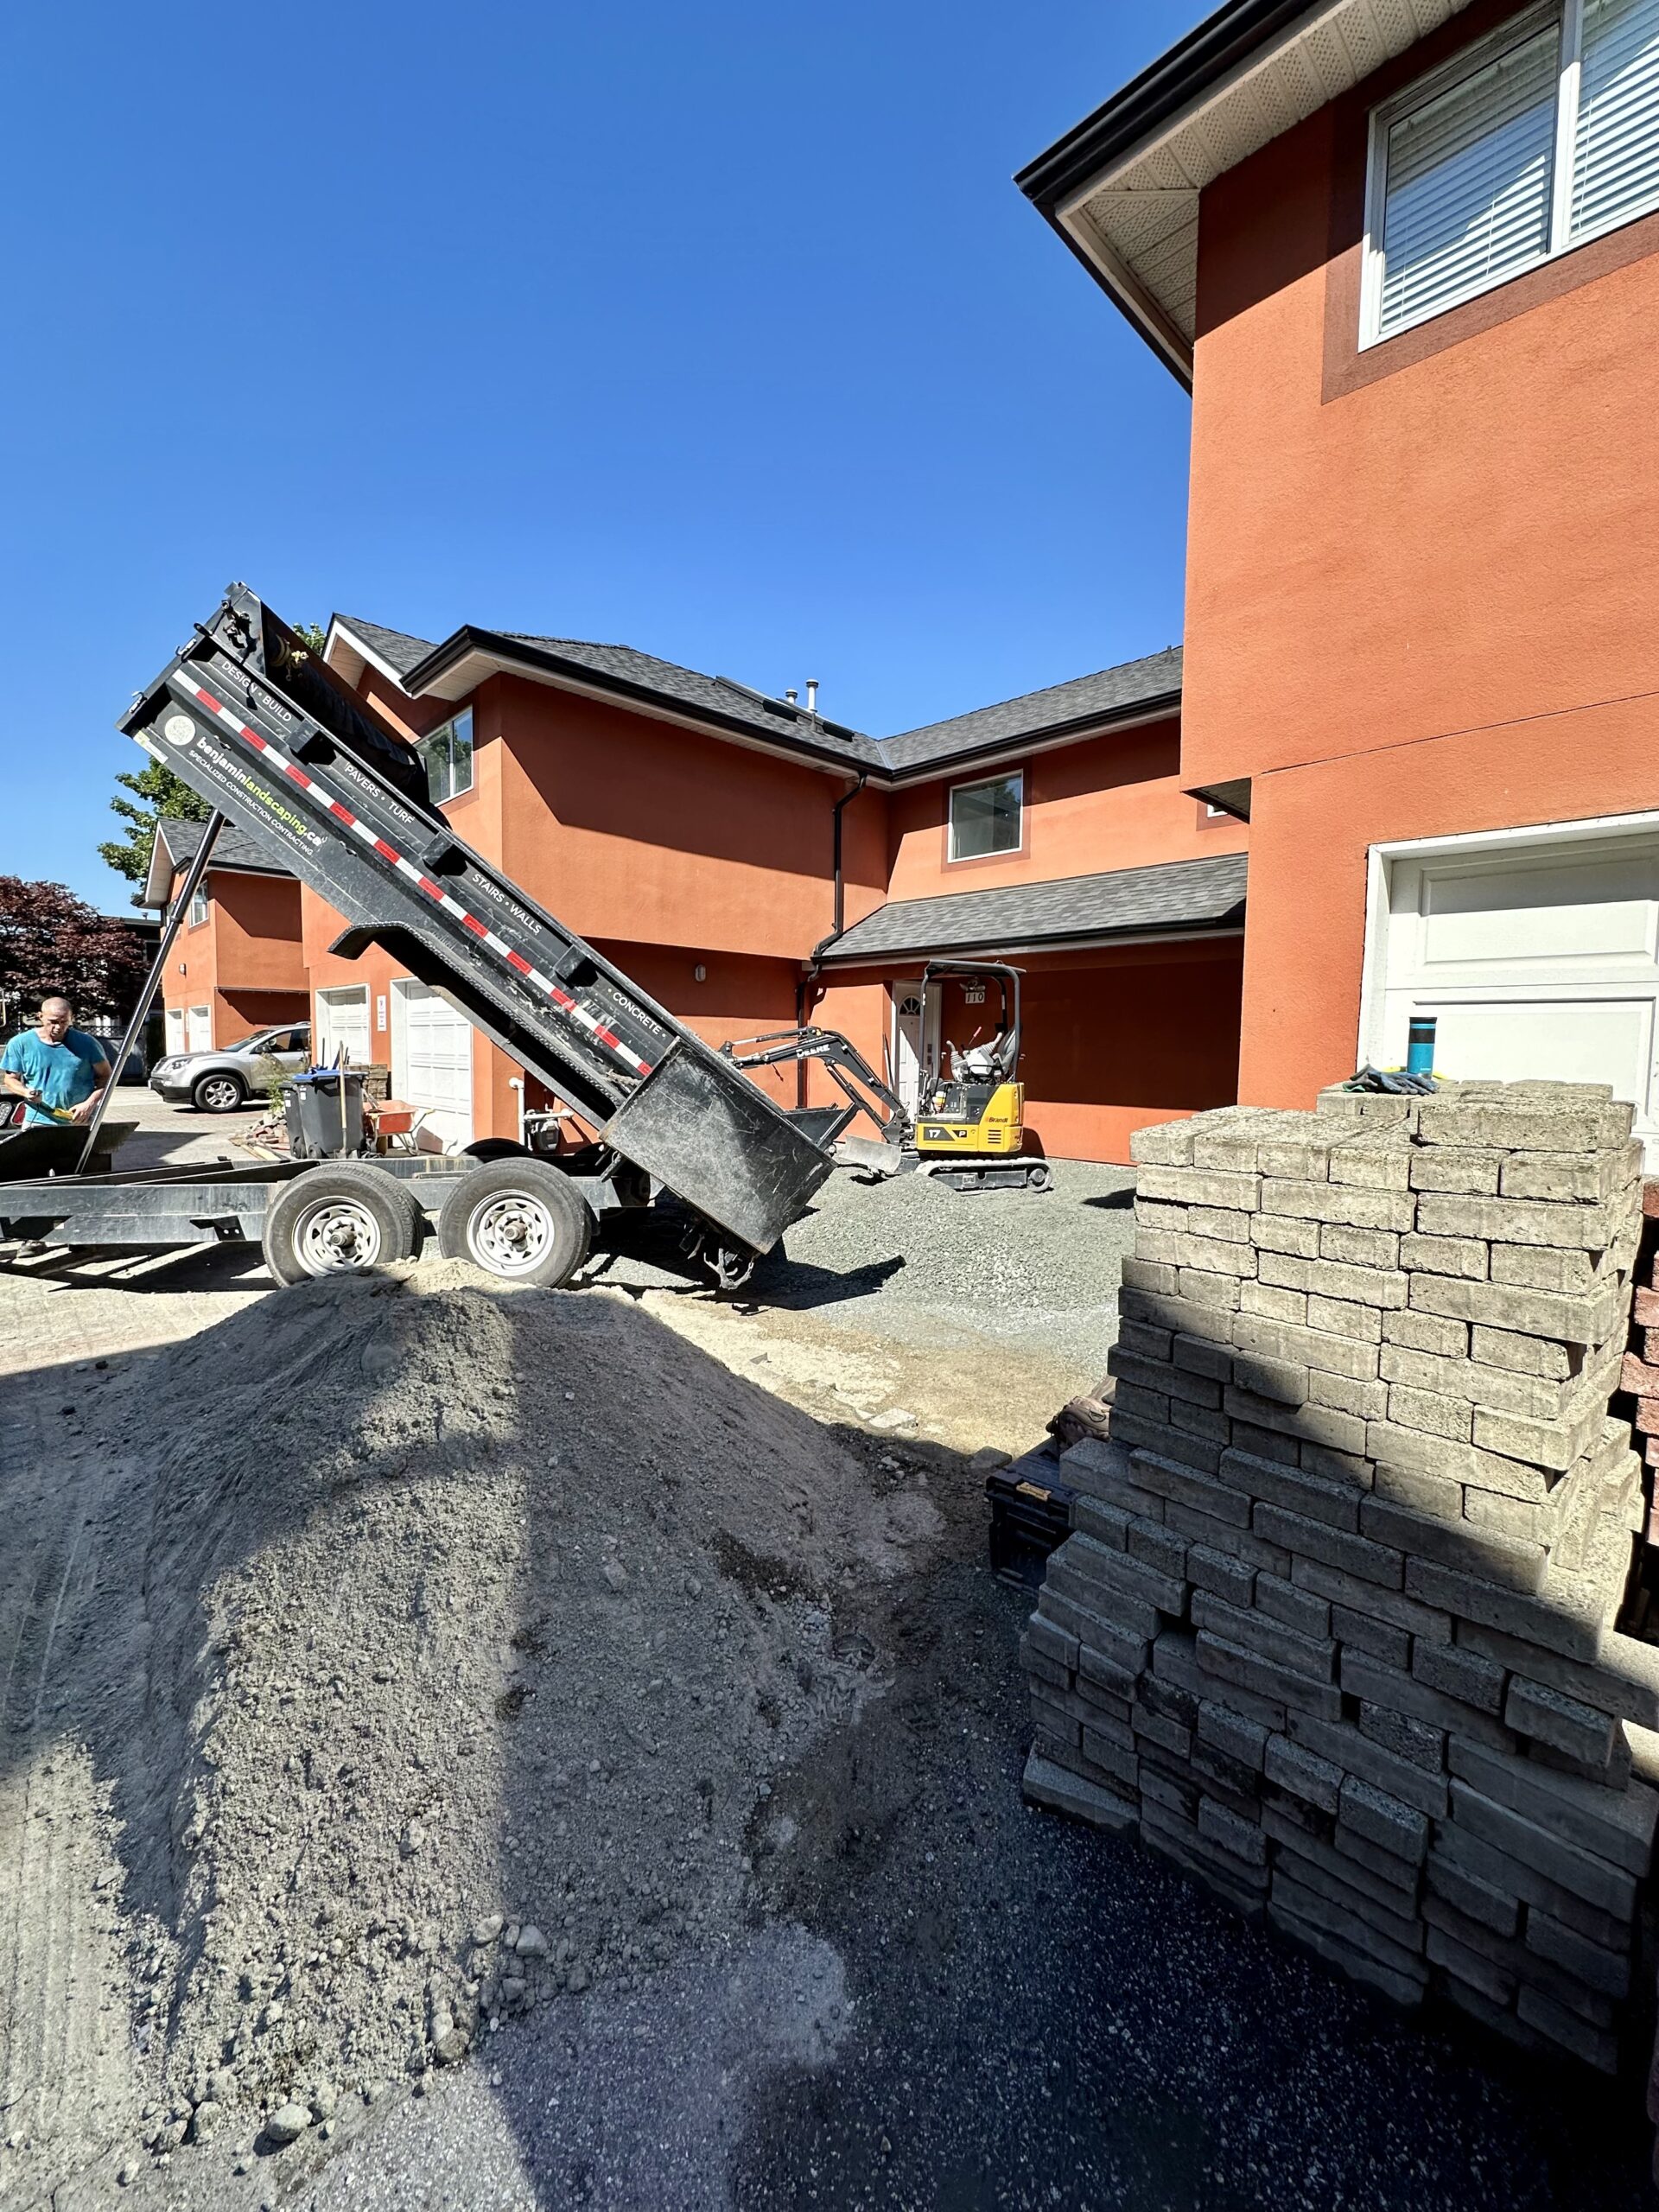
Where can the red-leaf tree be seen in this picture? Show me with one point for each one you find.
(52, 941)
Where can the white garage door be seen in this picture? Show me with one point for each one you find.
(432, 1062)
(343, 1026)
(1536, 959)
(174, 1023)
(198, 1030)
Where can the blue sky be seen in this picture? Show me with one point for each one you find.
(718, 331)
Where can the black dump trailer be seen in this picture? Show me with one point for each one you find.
(248, 715)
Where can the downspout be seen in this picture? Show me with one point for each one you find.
(803, 989)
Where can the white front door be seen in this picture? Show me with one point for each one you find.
(1536, 958)
(910, 1050)
(432, 1062)
(343, 1026)
(198, 1030)
(174, 1026)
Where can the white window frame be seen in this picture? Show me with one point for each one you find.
(1569, 14)
(445, 734)
(199, 903)
(1016, 776)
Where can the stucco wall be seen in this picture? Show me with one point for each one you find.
(1420, 579)
(1106, 802)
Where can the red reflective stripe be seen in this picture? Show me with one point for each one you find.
(517, 960)
(254, 738)
(430, 889)
(605, 1036)
(298, 774)
(477, 928)
(207, 698)
(344, 812)
(384, 850)
(645, 1067)
(559, 997)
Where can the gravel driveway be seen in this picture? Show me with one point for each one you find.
(942, 2000)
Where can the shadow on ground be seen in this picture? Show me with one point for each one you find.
(930, 1996)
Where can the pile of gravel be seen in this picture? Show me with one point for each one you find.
(443, 1642)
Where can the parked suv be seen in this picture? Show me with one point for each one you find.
(218, 1083)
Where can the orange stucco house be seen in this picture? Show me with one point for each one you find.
(753, 864)
(1406, 259)
(237, 964)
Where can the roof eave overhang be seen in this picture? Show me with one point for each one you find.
(456, 668)
(1066, 175)
(1195, 75)
(1069, 941)
(341, 636)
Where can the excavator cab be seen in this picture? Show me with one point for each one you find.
(970, 1107)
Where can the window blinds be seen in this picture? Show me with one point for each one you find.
(1616, 144)
(1469, 182)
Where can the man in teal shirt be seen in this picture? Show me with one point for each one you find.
(55, 1066)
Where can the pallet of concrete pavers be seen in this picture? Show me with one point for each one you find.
(1337, 1628)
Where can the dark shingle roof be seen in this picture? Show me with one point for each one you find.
(717, 694)
(233, 848)
(1083, 702)
(1176, 895)
(396, 647)
(1102, 697)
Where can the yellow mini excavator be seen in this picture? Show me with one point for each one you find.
(967, 1130)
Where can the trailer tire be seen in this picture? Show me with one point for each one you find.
(485, 1149)
(343, 1219)
(521, 1218)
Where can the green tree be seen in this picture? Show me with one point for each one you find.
(155, 791)
(312, 634)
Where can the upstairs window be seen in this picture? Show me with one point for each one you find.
(1541, 136)
(198, 904)
(446, 753)
(985, 818)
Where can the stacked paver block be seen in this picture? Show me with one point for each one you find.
(1641, 1371)
(1336, 1625)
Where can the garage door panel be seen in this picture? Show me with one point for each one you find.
(432, 1062)
(1563, 912)
(1576, 1040)
(1538, 958)
(343, 1027)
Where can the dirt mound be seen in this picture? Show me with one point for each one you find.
(443, 1642)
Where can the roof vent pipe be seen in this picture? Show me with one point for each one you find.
(811, 695)
(790, 695)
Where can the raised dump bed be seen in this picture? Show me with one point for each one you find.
(250, 719)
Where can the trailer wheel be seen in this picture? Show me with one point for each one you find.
(486, 1149)
(339, 1220)
(521, 1218)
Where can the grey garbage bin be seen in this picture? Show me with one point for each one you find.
(324, 1112)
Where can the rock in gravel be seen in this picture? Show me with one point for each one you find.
(221, 2085)
(287, 2123)
(487, 1930)
(325, 2100)
(531, 1943)
(205, 2123)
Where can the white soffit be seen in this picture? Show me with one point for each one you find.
(1138, 220)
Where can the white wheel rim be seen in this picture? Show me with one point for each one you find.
(337, 1236)
(511, 1232)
